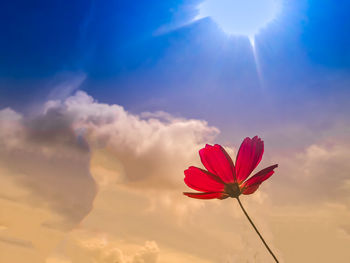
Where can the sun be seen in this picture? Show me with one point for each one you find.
(240, 17)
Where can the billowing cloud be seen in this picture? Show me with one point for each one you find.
(50, 152)
(47, 161)
(150, 147)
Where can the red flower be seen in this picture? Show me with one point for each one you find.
(223, 179)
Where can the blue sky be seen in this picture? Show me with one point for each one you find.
(148, 56)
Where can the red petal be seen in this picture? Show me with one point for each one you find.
(218, 162)
(250, 190)
(201, 180)
(211, 195)
(252, 184)
(248, 157)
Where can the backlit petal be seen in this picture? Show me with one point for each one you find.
(218, 162)
(250, 190)
(211, 195)
(248, 157)
(252, 184)
(201, 180)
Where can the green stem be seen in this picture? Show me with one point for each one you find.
(257, 231)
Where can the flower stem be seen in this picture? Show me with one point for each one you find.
(257, 231)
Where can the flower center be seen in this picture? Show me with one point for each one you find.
(232, 190)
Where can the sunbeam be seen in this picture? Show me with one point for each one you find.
(257, 63)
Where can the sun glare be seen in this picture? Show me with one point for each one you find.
(240, 17)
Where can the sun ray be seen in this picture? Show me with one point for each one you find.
(257, 63)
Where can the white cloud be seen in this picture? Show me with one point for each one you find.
(50, 152)
(150, 147)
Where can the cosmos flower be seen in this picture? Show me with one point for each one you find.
(223, 178)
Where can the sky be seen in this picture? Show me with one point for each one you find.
(104, 104)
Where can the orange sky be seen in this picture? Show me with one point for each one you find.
(88, 182)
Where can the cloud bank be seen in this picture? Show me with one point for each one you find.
(101, 184)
